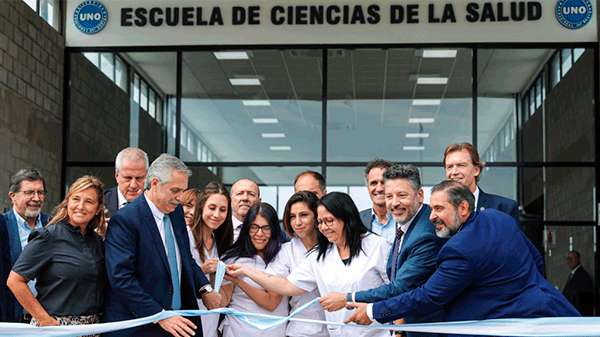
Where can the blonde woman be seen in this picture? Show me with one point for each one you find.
(66, 257)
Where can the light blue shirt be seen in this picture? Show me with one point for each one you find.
(24, 231)
(387, 230)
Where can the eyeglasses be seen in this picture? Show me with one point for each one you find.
(254, 229)
(31, 193)
(328, 222)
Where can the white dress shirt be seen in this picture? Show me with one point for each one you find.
(122, 202)
(158, 217)
(237, 227)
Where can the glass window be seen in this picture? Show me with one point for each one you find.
(144, 96)
(93, 57)
(538, 93)
(121, 76)
(183, 135)
(190, 141)
(555, 70)
(199, 152)
(525, 108)
(400, 101)
(159, 110)
(566, 61)
(152, 103)
(577, 52)
(531, 96)
(136, 88)
(50, 11)
(205, 151)
(32, 4)
(263, 106)
(107, 65)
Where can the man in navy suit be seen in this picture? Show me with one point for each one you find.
(486, 269)
(148, 258)
(27, 192)
(415, 249)
(462, 163)
(377, 219)
(6, 303)
(131, 167)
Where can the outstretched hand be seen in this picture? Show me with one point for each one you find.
(178, 326)
(359, 316)
(333, 301)
(236, 270)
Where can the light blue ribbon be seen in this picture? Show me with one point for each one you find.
(220, 274)
(549, 327)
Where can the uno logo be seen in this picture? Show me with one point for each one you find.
(574, 14)
(90, 17)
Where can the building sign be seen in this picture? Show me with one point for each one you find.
(245, 22)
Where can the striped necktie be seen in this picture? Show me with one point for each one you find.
(399, 234)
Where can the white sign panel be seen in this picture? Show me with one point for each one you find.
(108, 23)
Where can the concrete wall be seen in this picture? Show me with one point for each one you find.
(31, 98)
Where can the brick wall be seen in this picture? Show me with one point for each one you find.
(31, 100)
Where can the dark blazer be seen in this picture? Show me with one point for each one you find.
(484, 271)
(6, 300)
(14, 242)
(415, 264)
(499, 203)
(138, 269)
(111, 201)
(367, 217)
(579, 291)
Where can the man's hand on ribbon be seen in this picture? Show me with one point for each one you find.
(359, 316)
(333, 301)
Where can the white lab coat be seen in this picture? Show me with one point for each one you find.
(210, 323)
(289, 258)
(366, 271)
(233, 326)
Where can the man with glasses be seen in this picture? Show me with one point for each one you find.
(27, 191)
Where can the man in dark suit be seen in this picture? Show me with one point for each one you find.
(6, 303)
(579, 287)
(377, 219)
(486, 269)
(462, 163)
(27, 192)
(148, 258)
(416, 246)
(131, 166)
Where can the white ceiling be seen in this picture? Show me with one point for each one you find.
(361, 125)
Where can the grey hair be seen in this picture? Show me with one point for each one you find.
(457, 193)
(162, 168)
(408, 172)
(377, 162)
(26, 173)
(130, 154)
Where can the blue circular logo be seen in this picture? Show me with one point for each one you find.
(574, 14)
(90, 17)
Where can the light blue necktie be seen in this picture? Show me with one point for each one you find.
(172, 263)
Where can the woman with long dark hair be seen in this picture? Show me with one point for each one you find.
(258, 244)
(347, 258)
(210, 236)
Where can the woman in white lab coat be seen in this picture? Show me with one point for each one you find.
(300, 222)
(210, 233)
(258, 244)
(347, 258)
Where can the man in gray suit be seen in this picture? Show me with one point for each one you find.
(377, 218)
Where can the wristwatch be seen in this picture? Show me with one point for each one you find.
(205, 290)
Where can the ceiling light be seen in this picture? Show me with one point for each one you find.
(265, 120)
(231, 55)
(439, 53)
(280, 148)
(413, 148)
(427, 101)
(417, 135)
(244, 81)
(432, 80)
(273, 135)
(421, 120)
(256, 102)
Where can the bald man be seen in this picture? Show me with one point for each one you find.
(244, 194)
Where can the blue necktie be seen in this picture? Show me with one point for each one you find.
(176, 304)
(399, 234)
